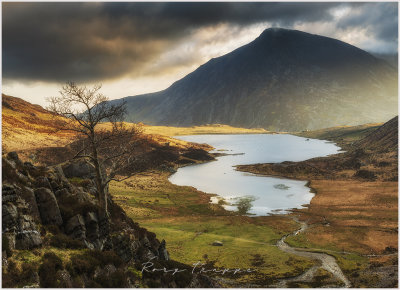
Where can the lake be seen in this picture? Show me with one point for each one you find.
(271, 195)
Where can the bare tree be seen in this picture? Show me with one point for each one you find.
(104, 140)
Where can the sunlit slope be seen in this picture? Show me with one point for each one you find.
(27, 126)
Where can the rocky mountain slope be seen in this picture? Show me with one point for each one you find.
(284, 80)
(52, 235)
(50, 219)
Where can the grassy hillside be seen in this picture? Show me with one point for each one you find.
(26, 127)
(341, 134)
(198, 130)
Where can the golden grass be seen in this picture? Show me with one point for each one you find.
(353, 216)
(198, 130)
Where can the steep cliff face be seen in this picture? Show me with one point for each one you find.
(54, 216)
(284, 80)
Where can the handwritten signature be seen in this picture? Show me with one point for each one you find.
(198, 267)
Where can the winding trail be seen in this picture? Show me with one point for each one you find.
(326, 262)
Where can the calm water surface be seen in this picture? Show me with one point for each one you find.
(270, 194)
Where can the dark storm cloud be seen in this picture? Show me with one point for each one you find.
(93, 41)
(380, 20)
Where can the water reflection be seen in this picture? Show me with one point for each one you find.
(271, 194)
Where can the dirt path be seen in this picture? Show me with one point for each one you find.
(326, 261)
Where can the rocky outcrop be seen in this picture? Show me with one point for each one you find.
(18, 227)
(67, 216)
(162, 251)
(48, 206)
(27, 236)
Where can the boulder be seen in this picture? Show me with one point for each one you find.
(9, 193)
(82, 195)
(42, 181)
(9, 171)
(27, 236)
(124, 246)
(9, 217)
(54, 185)
(61, 192)
(29, 166)
(48, 206)
(29, 196)
(78, 168)
(22, 178)
(64, 183)
(10, 238)
(76, 228)
(14, 157)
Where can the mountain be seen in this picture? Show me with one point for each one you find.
(284, 80)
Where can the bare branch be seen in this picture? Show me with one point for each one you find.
(111, 151)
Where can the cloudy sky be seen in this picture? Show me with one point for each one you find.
(135, 48)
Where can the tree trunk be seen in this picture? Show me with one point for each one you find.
(100, 185)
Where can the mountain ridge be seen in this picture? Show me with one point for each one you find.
(284, 80)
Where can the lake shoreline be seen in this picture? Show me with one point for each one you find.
(350, 212)
(330, 231)
(232, 186)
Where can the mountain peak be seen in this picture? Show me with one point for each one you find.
(285, 80)
(277, 31)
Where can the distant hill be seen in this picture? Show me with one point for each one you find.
(284, 80)
(385, 138)
(341, 134)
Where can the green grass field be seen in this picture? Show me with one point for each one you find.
(187, 221)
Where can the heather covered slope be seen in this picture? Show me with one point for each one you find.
(53, 234)
(284, 80)
(384, 139)
(27, 126)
